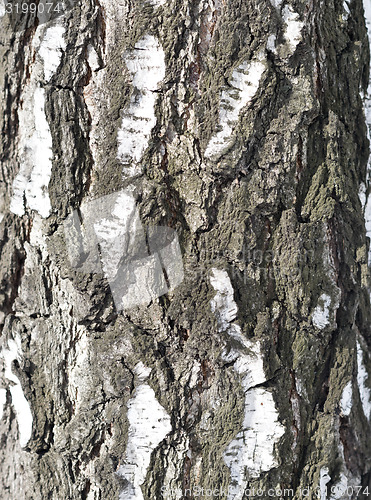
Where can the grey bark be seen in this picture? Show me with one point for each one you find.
(276, 211)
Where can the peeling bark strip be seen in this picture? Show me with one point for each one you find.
(19, 402)
(184, 262)
(149, 424)
(140, 265)
(146, 66)
(252, 450)
(30, 186)
(244, 85)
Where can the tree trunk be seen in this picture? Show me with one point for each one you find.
(184, 252)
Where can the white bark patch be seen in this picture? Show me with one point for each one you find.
(30, 186)
(17, 200)
(248, 365)
(252, 450)
(346, 10)
(362, 376)
(243, 86)
(223, 303)
(321, 313)
(51, 49)
(149, 424)
(195, 373)
(94, 493)
(293, 27)
(347, 399)
(112, 240)
(340, 489)
(157, 3)
(2, 8)
(118, 232)
(41, 144)
(366, 203)
(142, 371)
(146, 65)
(2, 402)
(37, 236)
(19, 402)
(300, 388)
(324, 479)
(271, 43)
(93, 59)
(366, 200)
(92, 96)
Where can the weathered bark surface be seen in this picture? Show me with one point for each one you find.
(241, 126)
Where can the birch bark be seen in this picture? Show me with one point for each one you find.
(228, 353)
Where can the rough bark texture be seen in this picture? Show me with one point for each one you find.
(240, 125)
